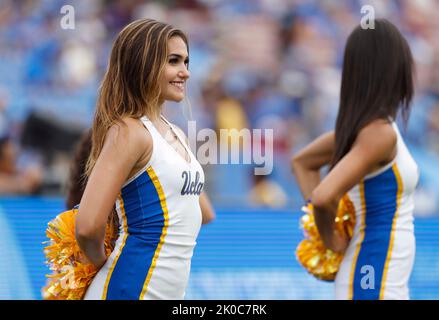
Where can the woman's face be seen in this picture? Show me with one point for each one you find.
(176, 73)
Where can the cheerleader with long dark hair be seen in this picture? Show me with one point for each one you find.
(370, 165)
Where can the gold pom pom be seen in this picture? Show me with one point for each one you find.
(71, 272)
(311, 253)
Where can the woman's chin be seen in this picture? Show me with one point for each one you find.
(176, 99)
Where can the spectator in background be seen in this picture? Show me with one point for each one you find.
(267, 192)
(12, 179)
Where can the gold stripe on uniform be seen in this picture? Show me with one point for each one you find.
(125, 228)
(392, 234)
(357, 250)
(159, 189)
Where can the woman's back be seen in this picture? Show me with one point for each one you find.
(383, 236)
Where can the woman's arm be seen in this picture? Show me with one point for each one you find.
(207, 211)
(307, 162)
(125, 144)
(375, 144)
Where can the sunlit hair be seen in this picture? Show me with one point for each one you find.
(130, 87)
(377, 82)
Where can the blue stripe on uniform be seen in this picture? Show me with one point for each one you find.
(380, 194)
(132, 267)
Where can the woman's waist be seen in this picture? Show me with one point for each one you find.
(373, 233)
(171, 237)
(174, 208)
(385, 215)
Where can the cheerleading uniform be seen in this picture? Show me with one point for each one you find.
(380, 256)
(159, 218)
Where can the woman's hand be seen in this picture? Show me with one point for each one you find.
(98, 263)
(340, 242)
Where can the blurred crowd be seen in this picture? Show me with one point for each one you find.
(258, 64)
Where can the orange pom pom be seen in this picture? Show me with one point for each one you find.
(311, 253)
(71, 272)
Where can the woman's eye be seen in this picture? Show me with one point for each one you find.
(173, 61)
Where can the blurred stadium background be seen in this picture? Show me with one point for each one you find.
(268, 64)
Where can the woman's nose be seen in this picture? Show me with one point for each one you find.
(184, 73)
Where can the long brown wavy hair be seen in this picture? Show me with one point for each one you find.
(130, 87)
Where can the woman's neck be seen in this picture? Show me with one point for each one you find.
(155, 116)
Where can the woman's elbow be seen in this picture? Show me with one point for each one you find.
(296, 163)
(84, 232)
(321, 201)
(82, 235)
(208, 217)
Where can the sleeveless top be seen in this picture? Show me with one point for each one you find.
(159, 217)
(383, 244)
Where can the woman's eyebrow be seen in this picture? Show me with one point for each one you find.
(176, 55)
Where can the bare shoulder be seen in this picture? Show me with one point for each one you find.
(129, 130)
(378, 132)
(378, 137)
(130, 136)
